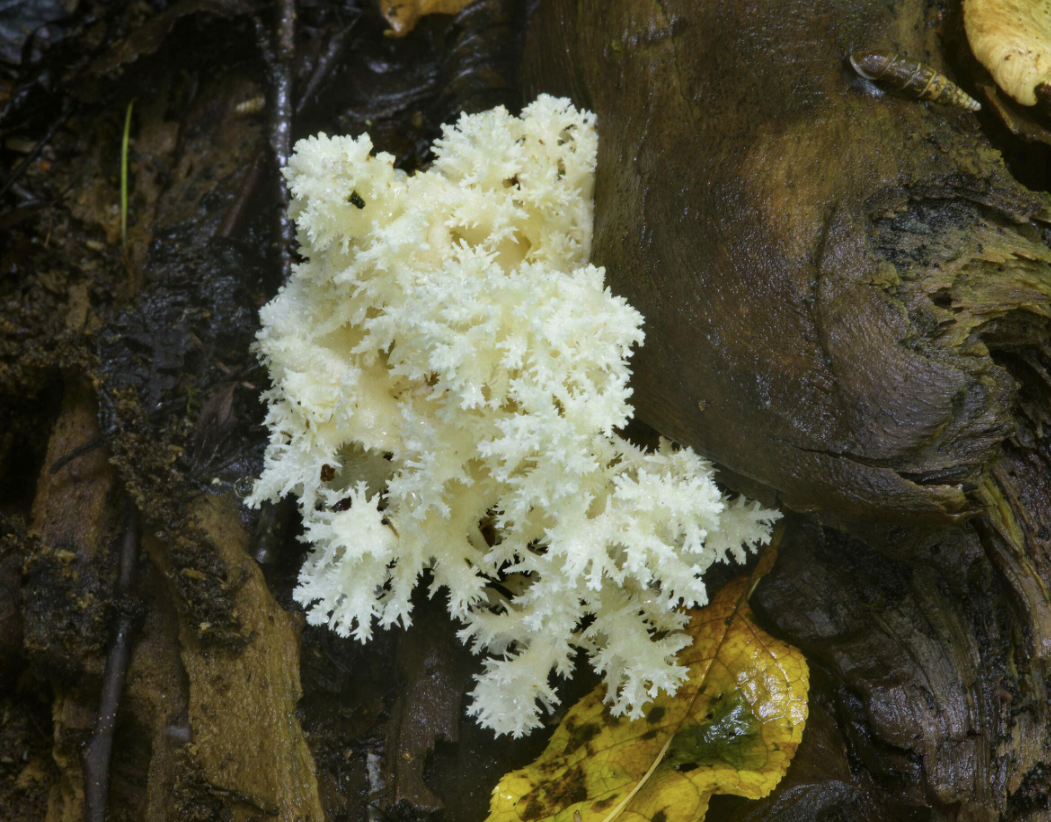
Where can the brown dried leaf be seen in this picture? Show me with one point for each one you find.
(404, 14)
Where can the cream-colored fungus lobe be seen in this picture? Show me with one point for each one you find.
(449, 374)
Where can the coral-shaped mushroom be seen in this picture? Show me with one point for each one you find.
(1012, 39)
(448, 377)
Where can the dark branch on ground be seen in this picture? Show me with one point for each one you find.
(326, 61)
(238, 208)
(279, 56)
(97, 753)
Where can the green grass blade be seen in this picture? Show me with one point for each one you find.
(124, 179)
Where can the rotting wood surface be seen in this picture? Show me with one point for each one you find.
(848, 305)
(830, 269)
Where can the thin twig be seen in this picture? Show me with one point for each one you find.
(81, 450)
(164, 409)
(281, 124)
(238, 208)
(279, 56)
(328, 59)
(97, 442)
(97, 753)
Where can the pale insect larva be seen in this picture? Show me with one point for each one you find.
(914, 79)
(253, 105)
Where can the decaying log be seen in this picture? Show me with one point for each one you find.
(848, 305)
(246, 741)
(76, 522)
(823, 306)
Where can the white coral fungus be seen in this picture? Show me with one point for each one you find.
(448, 373)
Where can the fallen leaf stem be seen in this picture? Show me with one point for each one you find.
(742, 709)
(645, 778)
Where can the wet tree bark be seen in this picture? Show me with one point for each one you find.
(847, 298)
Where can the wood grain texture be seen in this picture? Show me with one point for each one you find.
(785, 229)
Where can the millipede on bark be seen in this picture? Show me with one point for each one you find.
(914, 79)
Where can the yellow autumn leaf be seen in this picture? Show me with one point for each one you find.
(402, 15)
(732, 728)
